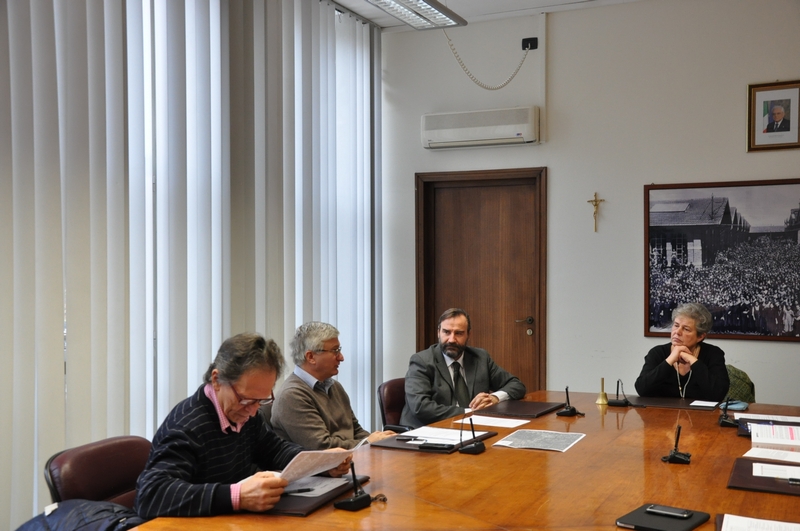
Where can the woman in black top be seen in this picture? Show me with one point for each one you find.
(686, 367)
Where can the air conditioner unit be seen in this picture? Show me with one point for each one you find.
(496, 127)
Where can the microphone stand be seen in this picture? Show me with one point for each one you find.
(680, 458)
(473, 448)
(624, 402)
(569, 411)
(724, 420)
(360, 499)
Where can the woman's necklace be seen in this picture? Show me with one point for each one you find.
(682, 388)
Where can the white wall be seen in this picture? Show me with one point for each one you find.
(629, 87)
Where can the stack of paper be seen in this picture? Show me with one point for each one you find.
(784, 438)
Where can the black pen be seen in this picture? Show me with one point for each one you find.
(794, 481)
(297, 491)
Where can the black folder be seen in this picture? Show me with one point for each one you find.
(742, 478)
(392, 442)
(641, 520)
(667, 402)
(305, 505)
(520, 408)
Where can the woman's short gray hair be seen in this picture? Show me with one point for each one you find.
(694, 310)
(244, 352)
(310, 336)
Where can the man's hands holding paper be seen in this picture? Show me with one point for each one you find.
(344, 466)
(261, 491)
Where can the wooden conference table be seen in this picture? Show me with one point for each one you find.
(614, 469)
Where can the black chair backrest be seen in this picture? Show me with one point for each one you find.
(392, 398)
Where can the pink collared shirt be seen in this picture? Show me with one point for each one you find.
(225, 424)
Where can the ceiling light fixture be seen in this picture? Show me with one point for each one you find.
(420, 14)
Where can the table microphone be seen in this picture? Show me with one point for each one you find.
(473, 448)
(681, 458)
(620, 402)
(724, 420)
(360, 499)
(568, 411)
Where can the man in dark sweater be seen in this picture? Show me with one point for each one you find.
(213, 453)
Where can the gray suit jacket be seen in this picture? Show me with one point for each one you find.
(430, 396)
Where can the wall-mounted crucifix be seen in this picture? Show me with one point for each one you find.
(596, 204)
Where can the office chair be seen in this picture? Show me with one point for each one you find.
(104, 470)
(392, 398)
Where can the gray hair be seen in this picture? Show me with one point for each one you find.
(310, 336)
(694, 310)
(242, 353)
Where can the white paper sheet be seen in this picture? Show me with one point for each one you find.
(312, 462)
(775, 455)
(757, 416)
(702, 403)
(483, 420)
(741, 523)
(439, 435)
(768, 470)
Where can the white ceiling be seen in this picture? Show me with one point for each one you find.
(475, 10)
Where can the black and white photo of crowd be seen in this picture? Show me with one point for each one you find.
(735, 250)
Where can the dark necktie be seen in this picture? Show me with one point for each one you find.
(462, 395)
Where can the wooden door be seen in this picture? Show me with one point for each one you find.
(481, 247)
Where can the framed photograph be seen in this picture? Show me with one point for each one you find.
(733, 247)
(772, 111)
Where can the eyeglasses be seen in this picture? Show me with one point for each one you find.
(250, 401)
(337, 350)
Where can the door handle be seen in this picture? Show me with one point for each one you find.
(528, 320)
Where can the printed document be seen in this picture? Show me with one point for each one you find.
(767, 470)
(757, 416)
(310, 463)
(440, 435)
(740, 523)
(775, 455)
(541, 440)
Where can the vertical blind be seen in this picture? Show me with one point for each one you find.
(172, 173)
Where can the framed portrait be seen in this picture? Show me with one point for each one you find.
(772, 116)
(731, 246)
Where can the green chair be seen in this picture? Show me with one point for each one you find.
(742, 387)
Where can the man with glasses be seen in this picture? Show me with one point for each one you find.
(213, 453)
(312, 409)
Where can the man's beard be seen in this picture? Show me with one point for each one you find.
(452, 350)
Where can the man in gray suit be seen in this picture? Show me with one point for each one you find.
(435, 382)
